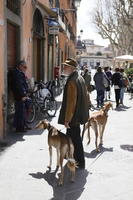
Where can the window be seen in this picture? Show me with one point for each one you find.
(99, 53)
(38, 23)
(51, 3)
(14, 6)
(92, 63)
(57, 4)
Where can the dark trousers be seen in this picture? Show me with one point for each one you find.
(20, 114)
(117, 96)
(100, 97)
(74, 133)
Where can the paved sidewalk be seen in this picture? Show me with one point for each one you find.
(108, 174)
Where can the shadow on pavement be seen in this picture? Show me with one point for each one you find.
(13, 137)
(122, 108)
(94, 153)
(10, 140)
(127, 147)
(69, 190)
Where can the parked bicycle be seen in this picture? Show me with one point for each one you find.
(42, 100)
(59, 84)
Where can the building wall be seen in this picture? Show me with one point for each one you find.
(94, 49)
(25, 45)
(27, 34)
(2, 38)
(90, 55)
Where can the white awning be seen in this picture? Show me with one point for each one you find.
(124, 58)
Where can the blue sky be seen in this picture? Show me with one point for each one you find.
(84, 22)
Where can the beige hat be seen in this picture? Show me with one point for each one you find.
(71, 62)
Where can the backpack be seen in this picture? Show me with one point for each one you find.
(105, 81)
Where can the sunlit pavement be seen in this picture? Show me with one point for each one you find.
(108, 175)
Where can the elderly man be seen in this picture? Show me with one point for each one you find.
(75, 109)
(20, 91)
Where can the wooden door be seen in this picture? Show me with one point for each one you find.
(12, 58)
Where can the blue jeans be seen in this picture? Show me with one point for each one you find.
(122, 94)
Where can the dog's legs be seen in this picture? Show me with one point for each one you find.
(50, 155)
(96, 136)
(95, 128)
(58, 157)
(71, 156)
(61, 178)
(101, 133)
(89, 132)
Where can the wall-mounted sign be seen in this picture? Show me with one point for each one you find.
(54, 30)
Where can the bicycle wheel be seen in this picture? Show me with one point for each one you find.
(51, 107)
(31, 113)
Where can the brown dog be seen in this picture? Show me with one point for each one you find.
(98, 122)
(64, 148)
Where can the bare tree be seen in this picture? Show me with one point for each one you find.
(114, 21)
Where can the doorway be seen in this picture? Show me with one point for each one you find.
(38, 46)
(13, 52)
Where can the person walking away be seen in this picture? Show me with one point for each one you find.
(75, 108)
(125, 83)
(100, 88)
(108, 77)
(87, 78)
(20, 92)
(117, 82)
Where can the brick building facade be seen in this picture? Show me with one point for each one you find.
(43, 33)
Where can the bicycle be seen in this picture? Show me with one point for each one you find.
(42, 100)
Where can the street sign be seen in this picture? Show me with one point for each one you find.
(54, 30)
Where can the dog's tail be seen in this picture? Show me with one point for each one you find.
(84, 129)
(72, 164)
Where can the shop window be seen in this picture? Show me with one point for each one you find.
(14, 6)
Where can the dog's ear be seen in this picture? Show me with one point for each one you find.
(110, 105)
(45, 121)
(39, 125)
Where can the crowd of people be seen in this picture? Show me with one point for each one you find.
(104, 79)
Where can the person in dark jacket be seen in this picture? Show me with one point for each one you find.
(108, 77)
(20, 92)
(75, 108)
(117, 82)
(100, 87)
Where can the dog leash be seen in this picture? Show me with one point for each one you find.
(89, 167)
